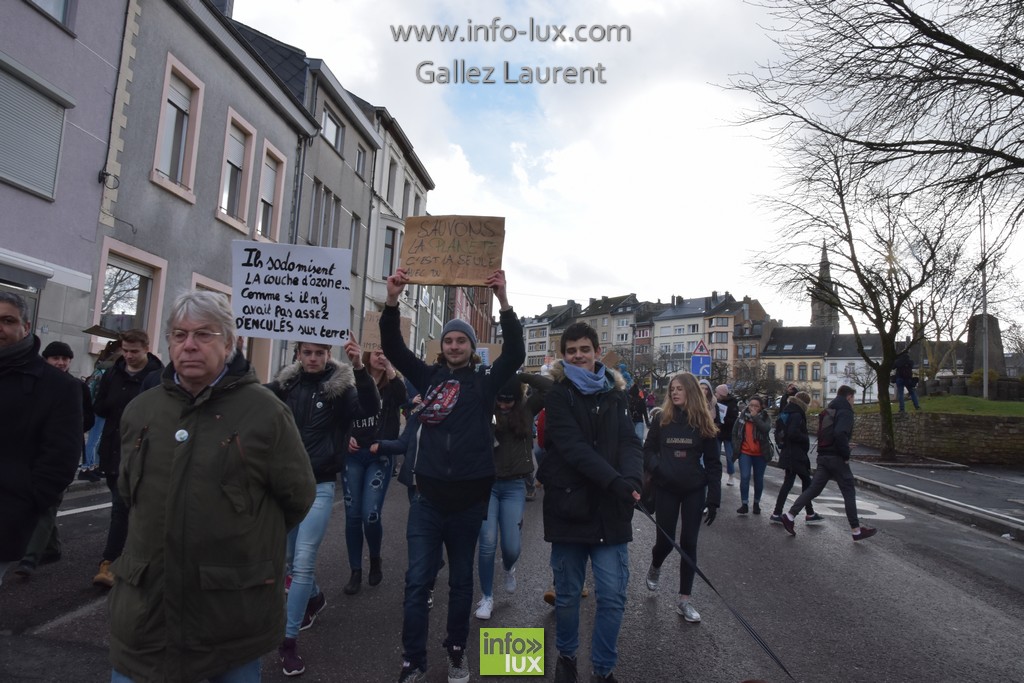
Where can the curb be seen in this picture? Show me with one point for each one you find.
(976, 518)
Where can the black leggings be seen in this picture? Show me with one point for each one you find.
(787, 486)
(669, 507)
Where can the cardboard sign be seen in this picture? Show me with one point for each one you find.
(293, 292)
(370, 340)
(488, 352)
(452, 250)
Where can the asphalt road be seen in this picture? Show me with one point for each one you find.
(927, 599)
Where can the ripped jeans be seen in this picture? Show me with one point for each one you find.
(365, 483)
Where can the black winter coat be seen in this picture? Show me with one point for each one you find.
(731, 413)
(386, 422)
(843, 429)
(117, 389)
(680, 460)
(593, 459)
(41, 418)
(324, 405)
(796, 442)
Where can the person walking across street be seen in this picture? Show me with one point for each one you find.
(324, 397)
(214, 474)
(592, 475)
(119, 385)
(454, 468)
(41, 450)
(793, 455)
(681, 453)
(834, 432)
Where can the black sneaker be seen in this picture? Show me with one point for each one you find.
(412, 673)
(743, 509)
(756, 509)
(24, 570)
(788, 524)
(865, 532)
(609, 678)
(565, 670)
(355, 582)
(315, 605)
(291, 662)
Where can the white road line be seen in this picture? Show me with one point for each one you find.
(963, 505)
(78, 511)
(915, 476)
(82, 611)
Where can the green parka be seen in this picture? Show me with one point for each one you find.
(212, 484)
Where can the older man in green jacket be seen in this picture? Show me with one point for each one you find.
(214, 473)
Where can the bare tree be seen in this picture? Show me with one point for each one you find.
(120, 291)
(863, 377)
(753, 379)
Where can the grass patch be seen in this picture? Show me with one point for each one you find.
(956, 405)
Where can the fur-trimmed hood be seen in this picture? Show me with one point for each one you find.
(558, 374)
(797, 402)
(338, 377)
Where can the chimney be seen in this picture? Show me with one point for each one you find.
(592, 300)
(225, 7)
(746, 310)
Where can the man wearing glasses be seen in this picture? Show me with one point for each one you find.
(215, 474)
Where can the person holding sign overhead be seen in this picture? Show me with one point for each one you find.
(454, 468)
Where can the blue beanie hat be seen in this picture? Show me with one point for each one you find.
(456, 325)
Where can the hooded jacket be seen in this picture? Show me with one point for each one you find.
(796, 443)
(459, 447)
(843, 427)
(762, 426)
(117, 389)
(593, 460)
(41, 411)
(680, 460)
(213, 484)
(324, 405)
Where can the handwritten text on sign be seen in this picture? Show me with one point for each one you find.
(287, 291)
(370, 339)
(452, 250)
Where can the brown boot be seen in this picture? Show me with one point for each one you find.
(104, 577)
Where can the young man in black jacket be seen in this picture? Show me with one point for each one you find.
(454, 468)
(592, 476)
(834, 463)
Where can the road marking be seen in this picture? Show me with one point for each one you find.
(832, 506)
(78, 511)
(915, 476)
(963, 505)
(82, 611)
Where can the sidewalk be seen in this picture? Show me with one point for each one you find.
(989, 498)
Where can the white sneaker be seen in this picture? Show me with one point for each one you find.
(510, 580)
(687, 612)
(485, 607)
(730, 481)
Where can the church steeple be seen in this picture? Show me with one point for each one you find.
(823, 313)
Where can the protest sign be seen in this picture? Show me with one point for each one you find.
(452, 250)
(370, 339)
(288, 291)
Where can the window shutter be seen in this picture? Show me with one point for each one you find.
(31, 127)
(268, 183)
(236, 147)
(179, 93)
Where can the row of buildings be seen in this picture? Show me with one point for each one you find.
(138, 138)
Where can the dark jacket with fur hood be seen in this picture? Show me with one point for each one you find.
(594, 462)
(796, 442)
(324, 405)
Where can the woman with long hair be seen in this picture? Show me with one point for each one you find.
(367, 474)
(681, 453)
(750, 442)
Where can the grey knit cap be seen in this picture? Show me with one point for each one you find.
(456, 325)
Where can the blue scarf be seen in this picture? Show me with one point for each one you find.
(587, 382)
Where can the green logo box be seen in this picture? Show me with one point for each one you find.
(511, 652)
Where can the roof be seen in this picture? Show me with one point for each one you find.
(799, 341)
(606, 305)
(698, 307)
(845, 346)
(287, 61)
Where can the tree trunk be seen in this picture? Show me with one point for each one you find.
(887, 428)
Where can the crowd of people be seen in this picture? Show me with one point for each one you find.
(222, 488)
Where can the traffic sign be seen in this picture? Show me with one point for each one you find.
(701, 349)
(700, 365)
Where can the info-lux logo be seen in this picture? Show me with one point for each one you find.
(512, 652)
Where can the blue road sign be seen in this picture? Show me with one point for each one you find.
(700, 365)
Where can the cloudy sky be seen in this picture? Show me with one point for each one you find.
(641, 184)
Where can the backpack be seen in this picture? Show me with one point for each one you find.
(780, 429)
(826, 428)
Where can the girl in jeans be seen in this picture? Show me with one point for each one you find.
(367, 474)
(750, 440)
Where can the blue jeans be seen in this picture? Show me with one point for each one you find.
(901, 385)
(758, 464)
(504, 515)
(428, 530)
(638, 427)
(247, 673)
(93, 440)
(730, 466)
(610, 565)
(365, 483)
(309, 534)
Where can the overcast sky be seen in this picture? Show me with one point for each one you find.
(641, 184)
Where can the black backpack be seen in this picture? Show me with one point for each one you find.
(780, 429)
(826, 428)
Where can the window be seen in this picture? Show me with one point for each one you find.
(811, 347)
(31, 129)
(392, 180)
(406, 190)
(665, 330)
(604, 336)
(789, 372)
(693, 328)
(833, 368)
(268, 221)
(132, 291)
(770, 367)
(622, 337)
(816, 372)
(332, 130)
(787, 347)
(58, 9)
(719, 337)
(353, 237)
(417, 205)
(604, 322)
(390, 245)
(801, 373)
(691, 346)
(360, 160)
(324, 217)
(236, 170)
(177, 138)
(721, 354)
(664, 348)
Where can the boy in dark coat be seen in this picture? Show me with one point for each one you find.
(793, 455)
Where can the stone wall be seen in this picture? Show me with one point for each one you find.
(966, 439)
